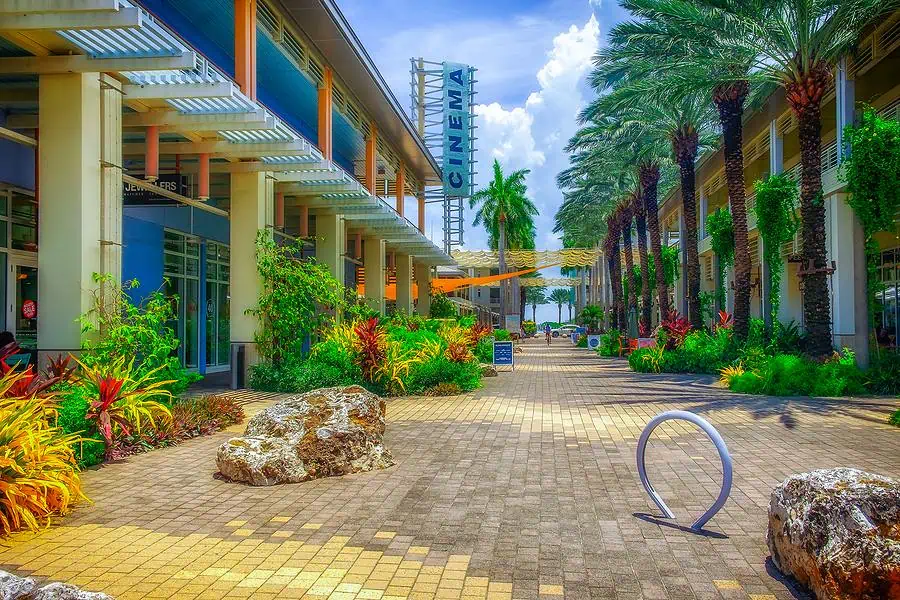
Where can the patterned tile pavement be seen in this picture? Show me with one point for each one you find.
(526, 488)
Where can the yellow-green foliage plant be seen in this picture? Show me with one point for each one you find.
(728, 373)
(38, 472)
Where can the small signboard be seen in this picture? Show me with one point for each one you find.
(503, 354)
(133, 195)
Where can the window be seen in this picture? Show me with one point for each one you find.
(887, 307)
(181, 268)
(218, 305)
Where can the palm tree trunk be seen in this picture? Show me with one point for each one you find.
(560, 312)
(686, 154)
(622, 324)
(729, 100)
(806, 98)
(649, 175)
(646, 295)
(632, 303)
(501, 246)
(523, 302)
(611, 264)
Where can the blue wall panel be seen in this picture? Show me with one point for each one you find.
(185, 219)
(142, 255)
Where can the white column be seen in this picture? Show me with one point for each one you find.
(69, 219)
(111, 182)
(331, 244)
(373, 263)
(404, 283)
(251, 195)
(422, 274)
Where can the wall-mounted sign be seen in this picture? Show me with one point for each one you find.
(457, 135)
(170, 182)
(503, 354)
(29, 309)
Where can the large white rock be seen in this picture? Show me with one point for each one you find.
(837, 531)
(326, 432)
(13, 587)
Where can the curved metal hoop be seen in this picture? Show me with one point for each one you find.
(710, 431)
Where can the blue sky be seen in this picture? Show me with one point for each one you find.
(532, 58)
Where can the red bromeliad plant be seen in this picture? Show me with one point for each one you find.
(726, 320)
(370, 346)
(477, 332)
(676, 328)
(58, 368)
(25, 383)
(458, 352)
(122, 403)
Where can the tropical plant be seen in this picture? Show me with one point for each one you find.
(121, 400)
(369, 345)
(726, 320)
(872, 173)
(115, 326)
(507, 215)
(775, 201)
(676, 328)
(442, 307)
(38, 471)
(721, 233)
(729, 373)
(591, 316)
(297, 299)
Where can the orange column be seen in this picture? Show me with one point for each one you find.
(245, 46)
(401, 189)
(371, 162)
(304, 221)
(279, 210)
(203, 177)
(421, 199)
(151, 157)
(326, 107)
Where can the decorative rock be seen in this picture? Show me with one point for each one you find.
(323, 433)
(25, 588)
(837, 531)
(518, 350)
(12, 587)
(488, 370)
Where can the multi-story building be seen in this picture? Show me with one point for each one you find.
(153, 139)
(771, 145)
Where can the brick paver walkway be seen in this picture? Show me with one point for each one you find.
(526, 488)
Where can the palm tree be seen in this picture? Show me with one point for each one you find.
(626, 217)
(732, 46)
(560, 296)
(504, 205)
(640, 222)
(571, 302)
(535, 295)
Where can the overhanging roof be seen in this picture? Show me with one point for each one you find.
(326, 27)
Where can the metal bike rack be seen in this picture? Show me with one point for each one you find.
(710, 431)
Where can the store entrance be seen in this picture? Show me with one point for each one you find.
(22, 298)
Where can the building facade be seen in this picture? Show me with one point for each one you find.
(152, 140)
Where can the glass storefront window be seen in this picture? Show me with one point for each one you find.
(218, 305)
(181, 268)
(23, 222)
(887, 303)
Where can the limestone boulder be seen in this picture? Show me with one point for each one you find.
(25, 588)
(837, 532)
(488, 370)
(322, 433)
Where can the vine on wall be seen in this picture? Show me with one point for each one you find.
(776, 198)
(872, 174)
(721, 232)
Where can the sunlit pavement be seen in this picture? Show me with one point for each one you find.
(526, 488)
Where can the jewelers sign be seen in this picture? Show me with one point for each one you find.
(457, 134)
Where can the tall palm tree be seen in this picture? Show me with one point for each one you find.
(535, 295)
(735, 45)
(559, 296)
(640, 222)
(626, 218)
(502, 206)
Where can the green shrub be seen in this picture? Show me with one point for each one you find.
(640, 361)
(443, 389)
(501, 335)
(72, 408)
(582, 341)
(883, 376)
(895, 418)
(790, 375)
(609, 343)
(304, 375)
(442, 307)
(484, 350)
(422, 376)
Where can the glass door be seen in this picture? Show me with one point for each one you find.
(23, 310)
